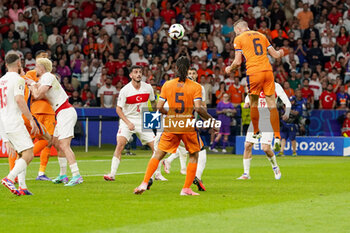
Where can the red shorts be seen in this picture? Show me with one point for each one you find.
(261, 81)
(169, 142)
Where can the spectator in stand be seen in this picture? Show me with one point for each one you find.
(342, 97)
(277, 15)
(29, 61)
(315, 55)
(332, 64)
(53, 37)
(328, 42)
(275, 33)
(75, 100)
(220, 93)
(222, 13)
(63, 70)
(305, 17)
(90, 100)
(204, 70)
(265, 30)
(109, 23)
(236, 92)
(345, 130)
(343, 37)
(14, 12)
(225, 111)
(289, 91)
(22, 27)
(308, 31)
(307, 93)
(120, 77)
(108, 94)
(168, 13)
(328, 98)
(334, 15)
(316, 87)
(5, 22)
(333, 75)
(227, 30)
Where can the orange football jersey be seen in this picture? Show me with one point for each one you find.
(254, 46)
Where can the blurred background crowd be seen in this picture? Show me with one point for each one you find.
(93, 44)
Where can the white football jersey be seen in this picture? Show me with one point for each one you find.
(11, 85)
(264, 112)
(132, 101)
(55, 95)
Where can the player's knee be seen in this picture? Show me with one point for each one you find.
(248, 146)
(266, 148)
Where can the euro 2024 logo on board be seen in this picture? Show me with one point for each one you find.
(151, 120)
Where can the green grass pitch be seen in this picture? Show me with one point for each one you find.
(312, 196)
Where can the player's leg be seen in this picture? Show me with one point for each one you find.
(183, 158)
(225, 143)
(266, 141)
(254, 84)
(48, 122)
(247, 154)
(216, 140)
(193, 144)
(292, 136)
(167, 162)
(294, 147)
(202, 160)
(158, 173)
(117, 155)
(272, 158)
(66, 149)
(62, 162)
(284, 137)
(168, 144)
(24, 146)
(269, 90)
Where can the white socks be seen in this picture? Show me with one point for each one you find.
(62, 161)
(22, 179)
(19, 167)
(273, 161)
(114, 166)
(41, 173)
(202, 160)
(74, 169)
(246, 166)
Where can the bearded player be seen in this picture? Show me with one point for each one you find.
(267, 133)
(48, 87)
(183, 96)
(133, 97)
(12, 106)
(254, 46)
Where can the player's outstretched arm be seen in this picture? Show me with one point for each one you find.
(160, 107)
(275, 54)
(236, 62)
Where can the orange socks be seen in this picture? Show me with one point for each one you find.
(254, 116)
(44, 159)
(151, 168)
(275, 122)
(39, 146)
(190, 174)
(12, 161)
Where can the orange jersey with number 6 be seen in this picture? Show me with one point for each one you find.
(254, 46)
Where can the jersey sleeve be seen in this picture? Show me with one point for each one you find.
(47, 80)
(197, 93)
(121, 99)
(237, 44)
(267, 42)
(203, 94)
(283, 96)
(19, 87)
(163, 92)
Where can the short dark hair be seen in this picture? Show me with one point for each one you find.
(192, 68)
(39, 52)
(135, 67)
(11, 58)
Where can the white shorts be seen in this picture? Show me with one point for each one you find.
(145, 137)
(265, 130)
(66, 120)
(20, 140)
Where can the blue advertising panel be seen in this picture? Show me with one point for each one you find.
(305, 146)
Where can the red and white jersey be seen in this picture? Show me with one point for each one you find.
(108, 93)
(264, 112)
(55, 95)
(11, 85)
(132, 101)
(29, 64)
(109, 24)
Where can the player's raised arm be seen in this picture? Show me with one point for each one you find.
(274, 53)
(236, 62)
(283, 96)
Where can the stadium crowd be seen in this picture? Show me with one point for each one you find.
(93, 44)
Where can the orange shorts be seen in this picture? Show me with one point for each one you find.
(49, 121)
(42, 129)
(261, 81)
(169, 142)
